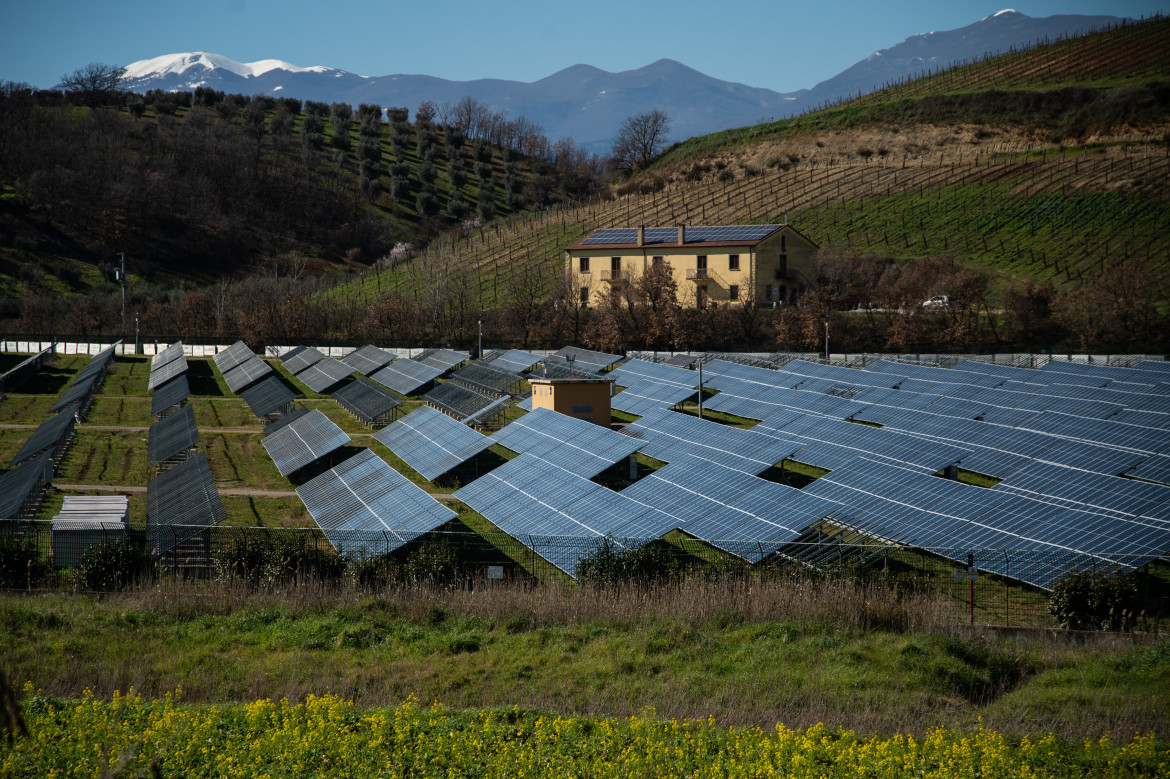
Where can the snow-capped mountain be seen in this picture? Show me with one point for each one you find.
(588, 104)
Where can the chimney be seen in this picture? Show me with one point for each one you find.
(682, 235)
(641, 235)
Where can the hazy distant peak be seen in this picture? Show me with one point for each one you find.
(180, 63)
(1004, 12)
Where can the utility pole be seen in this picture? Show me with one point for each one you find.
(826, 339)
(701, 387)
(480, 355)
(136, 332)
(122, 278)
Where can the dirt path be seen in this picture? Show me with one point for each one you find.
(230, 492)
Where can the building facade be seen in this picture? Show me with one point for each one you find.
(760, 265)
(582, 397)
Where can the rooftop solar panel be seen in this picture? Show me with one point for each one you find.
(299, 359)
(431, 442)
(246, 373)
(236, 354)
(268, 396)
(671, 436)
(578, 446)
(169, 395)
(406, 376)
(669, 235)
(172, 435)
(160, 376)
(367, 359)
(180, 502)
(324, 374)
(366, 508)
(366, 400)
(303, 441)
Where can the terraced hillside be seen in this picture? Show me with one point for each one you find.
(1064, 182)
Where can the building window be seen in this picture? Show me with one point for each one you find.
(584, 264)
(658, 260)
(784, 243)
(701, 262)
(584, 297)
(585, 408)
(733, 292)
(783, 265)
(701, 297)
(615, 264)
(768, 293)
(733, 262)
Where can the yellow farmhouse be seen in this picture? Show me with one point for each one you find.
(761, 265)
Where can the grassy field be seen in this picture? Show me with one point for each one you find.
(843, 654)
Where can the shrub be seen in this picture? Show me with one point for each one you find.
(115, 565)
(1098, 600)
(613, 564)
(21, 562)
(434, 562)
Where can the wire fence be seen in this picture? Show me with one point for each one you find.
(981, 587)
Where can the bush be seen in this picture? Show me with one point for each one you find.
(647, 564)
(280, 561)
(115, 565)
(1098, 600)
(21, 563)
(434, 562)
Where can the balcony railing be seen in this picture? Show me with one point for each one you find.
(704, 274)
(614, 276)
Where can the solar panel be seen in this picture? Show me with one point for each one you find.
(367, 359)
(236, 354)
(670, 436)
(167, 355)
(443, 359)
(324, 374)
(246, 373)
(633, 370)
(161, 375)
(303, 441)
(300, 358)
(585, 359)
(367, 401)
(578, 446)
(406, 376)
(18, 487)
(431, 442)
(172, 435)
(97, 365)
(268, 396)
(79, 395)
(51, 433)
(170, 394)
(366, 508)
(526, 404)
(512, 361)
(1157, 468)
(480, 376)
(180, 503)
(669, 235)
(461, 402)
(645, 396)
(285, 420)
(1081, 489)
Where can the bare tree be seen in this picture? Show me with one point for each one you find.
(96, 83)
(640, 139)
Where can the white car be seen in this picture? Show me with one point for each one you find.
(936, 302)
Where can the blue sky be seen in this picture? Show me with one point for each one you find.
(764, 43)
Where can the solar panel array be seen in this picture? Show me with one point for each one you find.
(169, 395)
(246, 373)
(669, 235)
(180, 503)
(303, 441)
(268, 396)
(487, 377)
(236, 354)
(21, 486)
(286, 420)
(670, 436)
(172, 435)
(563, 516)
(645, 396)
(97, 366)
(366, 508)
(168, 371)
(584, 360)
(513, 361)
(443, 359)
(406, 376)
(54, 433)
(324, 374)
(431, 442)
(461, 402)
(168, 355)
(577, 446)
(367, 359)
(300, 358)
(367, 401)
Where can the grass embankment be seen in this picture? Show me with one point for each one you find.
(847, 654)
(328, 736)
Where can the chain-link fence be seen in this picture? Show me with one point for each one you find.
(986, 587)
